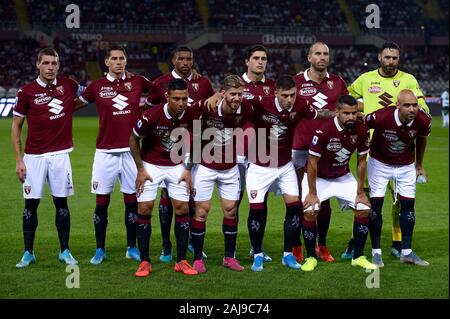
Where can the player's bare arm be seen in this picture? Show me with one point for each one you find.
(325, 114)
(311, 200)
(16, 139)
(420, 151)
(361, 196)
(79, 104)
(142, 174)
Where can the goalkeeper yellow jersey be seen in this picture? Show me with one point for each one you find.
(378, 91)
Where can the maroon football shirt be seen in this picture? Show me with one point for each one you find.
(156, 126)
(117, 104)
(48, 110)
(393, 142)
(321, 96)
(278, 125)
(199, 89)
(335, 146)
(223, 155)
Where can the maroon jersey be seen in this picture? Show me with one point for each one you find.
(265, 87)
(223, 154)
(392, 142)
(321, 96)
(155, 127)
(199, 89)
(117, 104)
(335, 146)
(278, 125)
(48, 109)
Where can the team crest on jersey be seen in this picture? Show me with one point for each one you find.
(195, 86)
(253, 194)
(94, 185)
(292, 116)
(396, 83)
(27, 189)
(266, 89)
(128, 86)
(237, 119)
(353, 139)
(412, 133)
(60, 90)
(330, 84)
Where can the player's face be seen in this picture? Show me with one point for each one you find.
(286, 98)
(407, 107)
(48, 67)
(116, 62)
(389, 60)
(183, 61)
(347, 116)
(257, 62)
(177, 102)
(233, 99)
(319, 58)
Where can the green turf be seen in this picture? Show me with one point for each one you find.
(114, 278)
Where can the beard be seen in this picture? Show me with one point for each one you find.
(349, 125)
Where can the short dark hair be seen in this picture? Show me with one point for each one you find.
(176, 84)
(346, 100)
(390, 45)
(115, 47)
(182, 48)
(253, 49)
(47, 51)
(285, 82)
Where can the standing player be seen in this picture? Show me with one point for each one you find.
(156, 164)
(328, 175)
(220, 168)
(117, 99)
(275, 120)
(199, 88)
(444, 105)
(378, 89)
(392, 157)
(47, 104)
(322, 90)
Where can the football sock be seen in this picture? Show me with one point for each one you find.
(198, 230)
(182, 235)
(229, 229)
(101, 219)
(291, 224)
(360, 230)
(143, 232)
(407, 221)
(30, 223)
(376, 221)
(323, 222)
(165, 220)
(254, 224)
(310, 236)
(62, 221)
(130, 218)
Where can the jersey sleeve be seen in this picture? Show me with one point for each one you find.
(146, 84)
(88, 95)
(209, 89)
(21, 106)
(364, 140)
(154, 96)
(415, 87)
(308, 112)
(371, 119)
(317, 143)
(344, 90)
(425, 129)
(356, 88)
(143, 125)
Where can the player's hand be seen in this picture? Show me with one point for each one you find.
(361, 197)
(421, 171)
(195, 74)
(212, 102)
(21, 170)
(311, 200)
(142, 176)
(186, 176)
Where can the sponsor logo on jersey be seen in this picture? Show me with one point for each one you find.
(42, 100)
(195, 86)
(271, 119)
(375, 89)
(55, 106)
(320, 100)
(266, 89)
(330, 84)
(107, 94)
(307, 91)
(343, 155)
(390, 137)
(120, 102)
(128, 86)
(396, 83)
(334, 146)
(248, 96)
(385, 99)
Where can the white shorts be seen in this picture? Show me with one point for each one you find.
(299, 157)
(227, 181)
(55, 169)
(170, 176)
(260, 179)
(403, 177)
(108, 167)
(344, 188)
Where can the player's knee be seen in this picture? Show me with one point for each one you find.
(145, 208)
(362, 213)
(201, 213)
(180, 207)
(310, 216)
